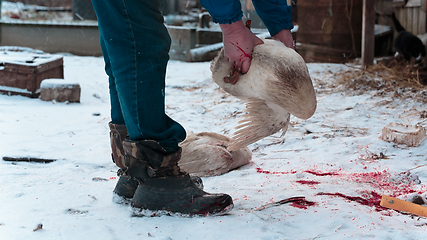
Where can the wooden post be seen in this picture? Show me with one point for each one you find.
(368, 33)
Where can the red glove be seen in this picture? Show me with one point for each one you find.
(285, 36)
(239, 42)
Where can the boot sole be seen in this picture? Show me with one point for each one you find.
(138, 212)
(120, 199)
(123, 195)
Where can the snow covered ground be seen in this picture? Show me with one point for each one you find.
(335, 160)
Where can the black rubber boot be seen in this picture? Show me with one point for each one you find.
(126, 186)
(162, 185)
(179, 194)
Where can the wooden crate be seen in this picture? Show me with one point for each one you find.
(412, 16)
(22, 73)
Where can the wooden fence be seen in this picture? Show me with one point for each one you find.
(412, 16)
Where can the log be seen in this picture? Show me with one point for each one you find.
(403, 134)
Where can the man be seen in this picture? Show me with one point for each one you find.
(135, 44)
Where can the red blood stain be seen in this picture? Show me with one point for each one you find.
(248, 24)
(244, 53)
(373, 199)
(317, 173)
(302, 204)
(15, 16)
(309, 182)
(382, 181)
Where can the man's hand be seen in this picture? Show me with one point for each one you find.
(239, 43)
(285, 36)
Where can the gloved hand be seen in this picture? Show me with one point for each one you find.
(239, 42)
(285, 36)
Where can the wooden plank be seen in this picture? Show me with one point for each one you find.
(402, 17)
(404, 206)
(398, 3)
(408, 22)
(368, 33)
(423, 9)
(413, 3)
(415, 20)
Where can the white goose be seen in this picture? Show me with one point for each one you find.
(277, 84)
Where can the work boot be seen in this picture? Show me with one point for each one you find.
(126, 185)
(163, 186)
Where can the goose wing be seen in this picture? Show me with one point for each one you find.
(262, 119)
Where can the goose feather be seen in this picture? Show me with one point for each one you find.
(277, 85)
